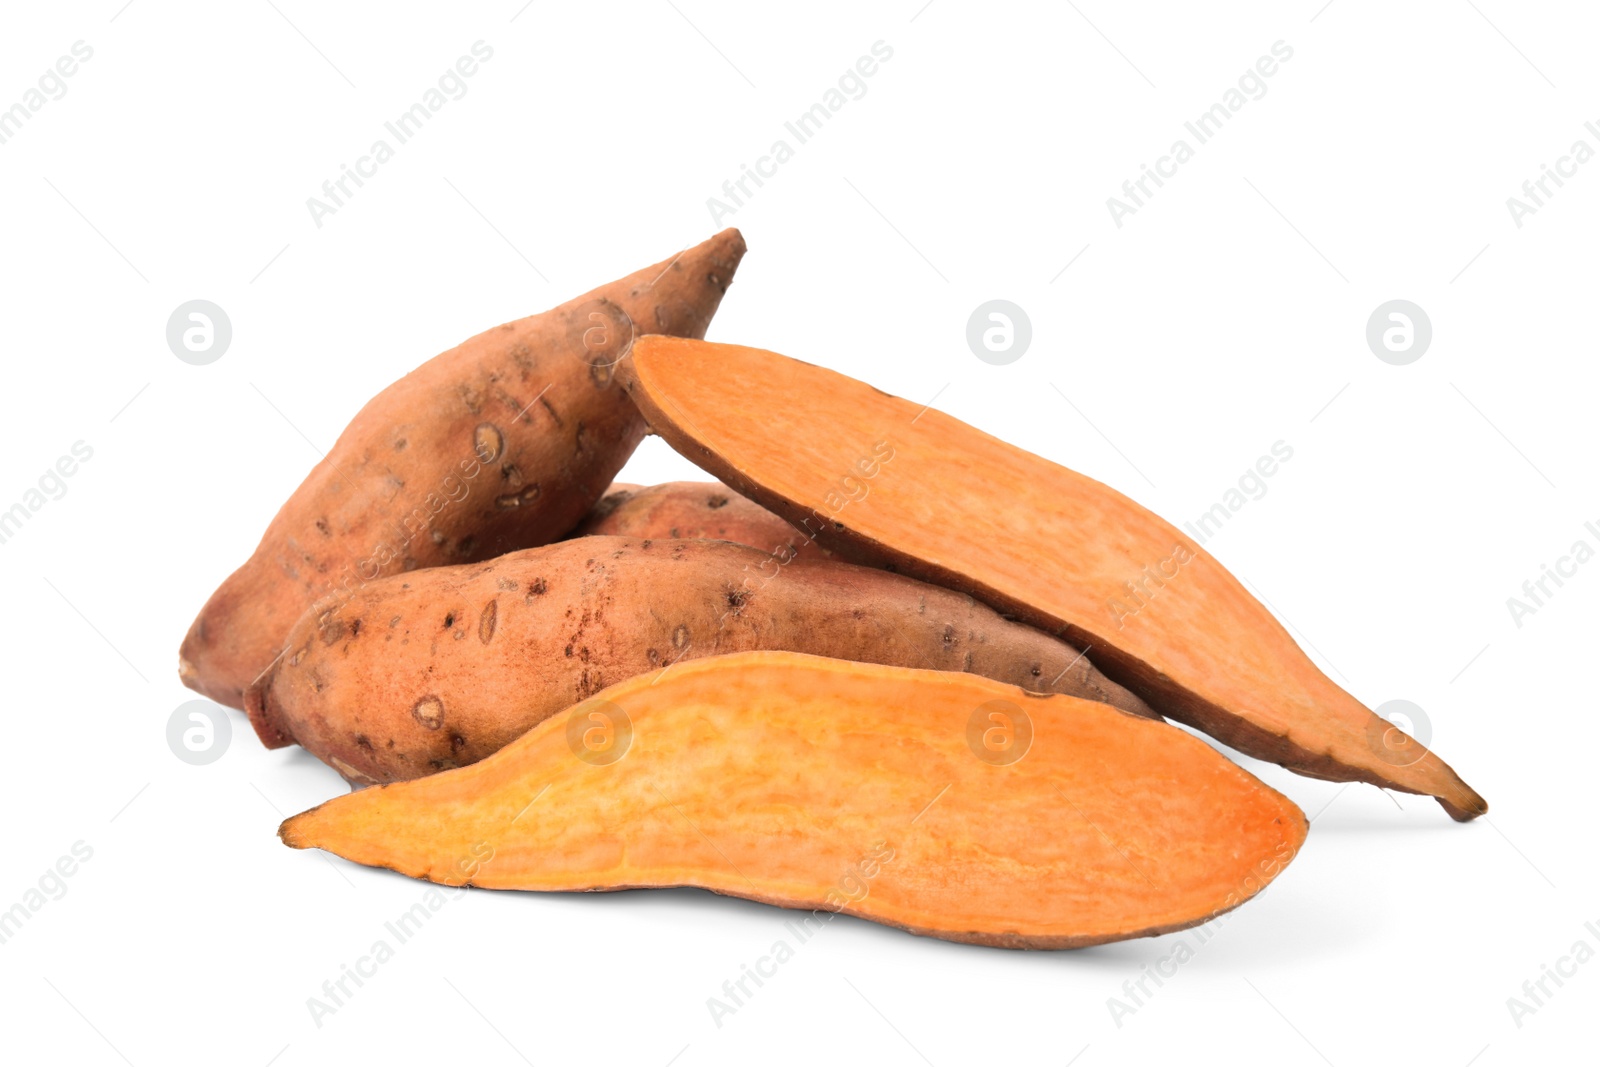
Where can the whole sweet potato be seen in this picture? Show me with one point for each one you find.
(707, 510)
(503, 442)
(417, 673)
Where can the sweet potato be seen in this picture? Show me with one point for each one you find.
(944, 804)
(503, 442)
(695, 510)
(884, 481)
(417, 673)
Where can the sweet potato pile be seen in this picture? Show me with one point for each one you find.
(888, 666)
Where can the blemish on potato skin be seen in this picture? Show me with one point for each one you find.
(364, 741)
(716, 501)
(429, 711)
(457, 742)
(488, 441)
(486, 621)
(680, 637)
(331, 627)
(449, 620)
(516, 500)
(506, 585)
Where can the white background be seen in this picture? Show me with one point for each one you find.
(1226, 315)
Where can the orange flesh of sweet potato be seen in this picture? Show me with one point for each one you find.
(503, 442)
(695, 509)
(838, 786)
(422, 672)
(883, 481)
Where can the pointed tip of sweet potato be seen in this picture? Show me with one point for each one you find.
(1470, 807)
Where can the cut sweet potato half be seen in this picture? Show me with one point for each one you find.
(940, 803)
(887, 482)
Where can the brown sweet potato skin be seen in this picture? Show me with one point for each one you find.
(695, 510)
(503, 442)
(844, 787)
(422, 672)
